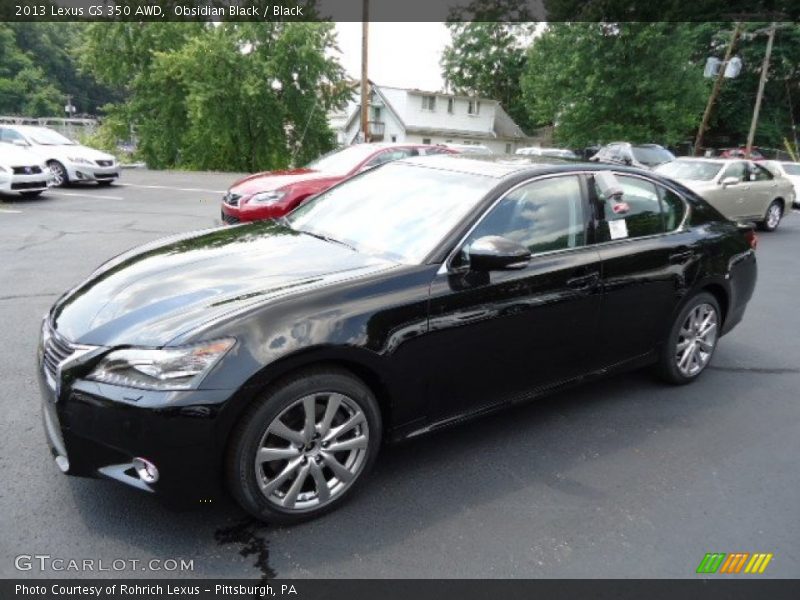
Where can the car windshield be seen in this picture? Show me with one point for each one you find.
(791, 168)
(343, 161)
(398, 211)
(48, 137)
(652, 155)
(693, 170)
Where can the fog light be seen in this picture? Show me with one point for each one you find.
(146, 470)
(62, 462)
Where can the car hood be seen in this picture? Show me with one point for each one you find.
(273, 180)
(152, 294)
(66, 152)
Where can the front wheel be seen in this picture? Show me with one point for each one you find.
(60, 176)
(773, 216)
(303, 448)
(691, 341)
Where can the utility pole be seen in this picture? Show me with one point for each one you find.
(761, 83)
(698, 142)
(364, 79)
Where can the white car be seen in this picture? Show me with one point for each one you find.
(23, 172)
(552, 152)
(790, 170)
(69, 161)
(742, 190)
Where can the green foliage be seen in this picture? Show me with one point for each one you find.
(487, 59)
(24, 87)
(598, 82)
(236, 96)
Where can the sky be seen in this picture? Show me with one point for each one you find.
(400, 54)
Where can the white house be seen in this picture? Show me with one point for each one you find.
(403, 115)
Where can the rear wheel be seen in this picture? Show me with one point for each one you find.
(773, 216)
(60, 176)
(304, 447)
(691, 341)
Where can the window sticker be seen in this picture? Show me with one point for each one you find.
(618, 229)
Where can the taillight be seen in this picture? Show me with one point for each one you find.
(751, 238)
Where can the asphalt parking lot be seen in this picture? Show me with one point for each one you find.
(624, 478)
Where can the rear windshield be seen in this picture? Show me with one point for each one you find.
(791, 168)
(693, 170)
(652, 155)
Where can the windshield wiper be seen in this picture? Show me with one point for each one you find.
(328, 239)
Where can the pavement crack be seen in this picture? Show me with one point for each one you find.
(248, 534)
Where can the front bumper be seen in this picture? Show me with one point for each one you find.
(35, 182)
(92, 173)
(96, 430)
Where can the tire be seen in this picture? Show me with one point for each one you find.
(30, 194)
(670, 366)
(263, 488)
(60, 175)
(772, 218)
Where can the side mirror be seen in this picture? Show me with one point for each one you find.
(729, 181)
(495, 253)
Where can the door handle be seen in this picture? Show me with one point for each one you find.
(582, 282)
(681, 257)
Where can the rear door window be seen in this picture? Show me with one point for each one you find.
(637, 213)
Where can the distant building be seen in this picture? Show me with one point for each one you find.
(417, 116)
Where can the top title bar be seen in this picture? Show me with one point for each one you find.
(399, 10)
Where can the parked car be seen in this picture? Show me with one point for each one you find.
(273, 194)
(427, 291)
(789, 170)
(742, 190)
(644, 156)
(469, 148)
(68, 161)
(22, 172)
(740, 152)
(552, 152)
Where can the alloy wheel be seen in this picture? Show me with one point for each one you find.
(773, 216)
(696, 340)
(59, 176)
(312, 451)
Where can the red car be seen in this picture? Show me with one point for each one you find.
(741, 153)
(272, 194)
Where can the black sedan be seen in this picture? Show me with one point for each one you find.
(275, 357)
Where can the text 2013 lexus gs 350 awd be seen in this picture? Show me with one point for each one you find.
(274, 358)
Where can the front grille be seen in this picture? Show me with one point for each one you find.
(32, 170)
(29, 185)
(104, 163)
(56, 350)
(231, 199)
(229, 219)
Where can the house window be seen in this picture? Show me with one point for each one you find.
(429, 103)
(426, 140)
(377, 112)
(450, 105)
(474, 107)
(508, 148)
(448, 141)
(394, 138)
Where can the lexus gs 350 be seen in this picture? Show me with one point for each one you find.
(274, 358)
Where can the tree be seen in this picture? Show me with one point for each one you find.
(597, 82)
(235, 96)
(487, 59)
(24, 87)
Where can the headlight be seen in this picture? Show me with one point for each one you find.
(79, 160)
(267, 197)
(181, 368)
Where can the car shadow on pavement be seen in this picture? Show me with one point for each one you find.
(530, 449)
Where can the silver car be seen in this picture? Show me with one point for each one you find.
(742, 190)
